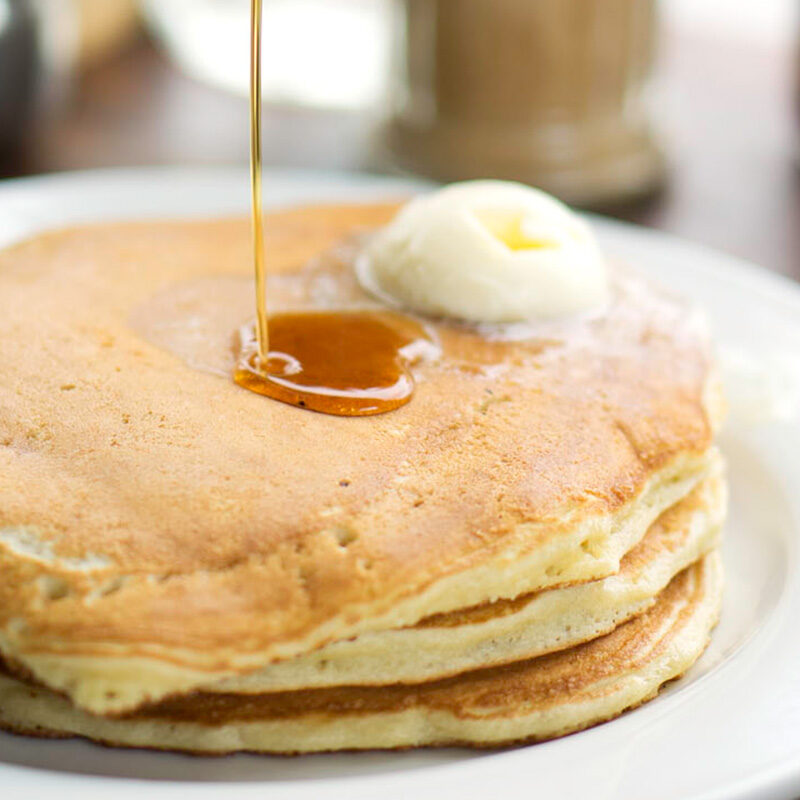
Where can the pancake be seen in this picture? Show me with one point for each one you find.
(163, 529)
(509, 630)
(531, 700)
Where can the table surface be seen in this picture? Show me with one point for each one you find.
(725, 111)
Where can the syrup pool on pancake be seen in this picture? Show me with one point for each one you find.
(349, 363)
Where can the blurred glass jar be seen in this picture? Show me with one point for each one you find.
(550, 92)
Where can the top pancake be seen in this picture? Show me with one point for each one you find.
(155, 513)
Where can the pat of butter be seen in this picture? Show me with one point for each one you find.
(487, 251)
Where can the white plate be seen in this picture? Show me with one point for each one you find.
(729, 729)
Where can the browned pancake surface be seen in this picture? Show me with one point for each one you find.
(214, 518)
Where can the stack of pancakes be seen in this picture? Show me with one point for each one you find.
(526, 549)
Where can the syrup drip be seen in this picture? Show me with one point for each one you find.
(262, 326)
(348, 363)
(351, 363)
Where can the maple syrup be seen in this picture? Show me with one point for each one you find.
(349, 363)
(256, 206)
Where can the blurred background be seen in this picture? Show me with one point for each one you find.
(678, 114)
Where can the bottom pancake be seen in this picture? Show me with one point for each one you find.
(528, 701)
